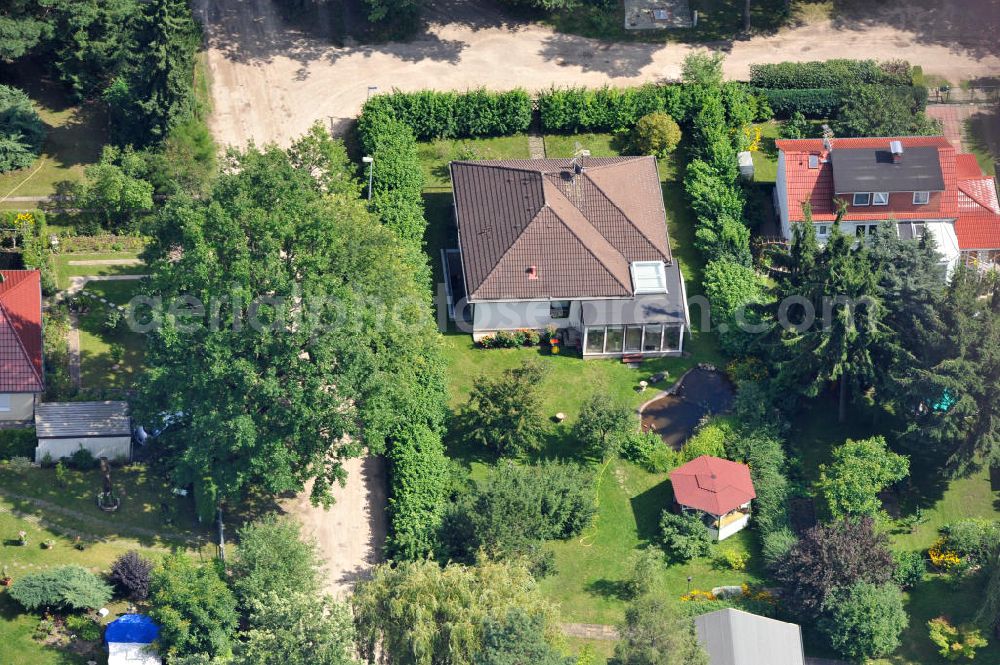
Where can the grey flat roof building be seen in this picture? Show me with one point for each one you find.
(734, 637)
(918, 169)
(70, 420)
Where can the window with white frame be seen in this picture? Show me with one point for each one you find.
(649, 277)
(822, 230)
(4, 401)
(880, 198)
(862, 199)
(921, 198)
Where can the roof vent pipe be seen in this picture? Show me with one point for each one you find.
(896, 148)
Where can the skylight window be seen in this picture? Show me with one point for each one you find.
(880, 198)
(649, 277)
(814, 161)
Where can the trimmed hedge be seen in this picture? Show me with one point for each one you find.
(830, 74)
(810, 102)
(608, 109)
(826, 102)
(418, 477)
(431, 114)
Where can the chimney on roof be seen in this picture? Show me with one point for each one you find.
(896, 148)
(827, 139)
(532, 272)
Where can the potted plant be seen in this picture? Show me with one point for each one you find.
(22, 538)
(5, 578)
(552, 332)
(48, 544)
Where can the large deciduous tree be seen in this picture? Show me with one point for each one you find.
(859, 471)
(419, 613)
(504, 412)
(316, 338)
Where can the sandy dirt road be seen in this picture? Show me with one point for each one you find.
(351, 534)
(271, 82)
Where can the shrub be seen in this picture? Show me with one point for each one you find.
(709, 439)
(19, 465)
(973, 538)
(602, 423)
(17, 443)
(83, 627)
(735, 559)
(21, 130)
(82, 459)
(955, 642)
(684, 537)
(61, 588)
(646, 567)
(504, 412)
(796, 127)
(194, 607)
(910, 568)
(647, 450)
(865, 620)
(775, 545)
(520, 505)
(273, 558)
(573, 110)
(418, 482)
(130, 573)
(829, 74)
(656, 134)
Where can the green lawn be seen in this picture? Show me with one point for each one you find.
(97, 366)
(435, 155)
(76, 134)
(765, 160)
(64, 270)
(592, 568)
(106, 536)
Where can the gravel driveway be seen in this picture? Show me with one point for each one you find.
(270, 82)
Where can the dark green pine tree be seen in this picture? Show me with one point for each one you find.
(156, 90)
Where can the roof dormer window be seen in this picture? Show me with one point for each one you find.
(880, 198)
(649, 277)
(862, 199)
(921, 198)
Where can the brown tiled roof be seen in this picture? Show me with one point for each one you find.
(21, 332)
(581, 231)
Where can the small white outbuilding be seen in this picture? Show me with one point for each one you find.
(103, 428)
(130, 640)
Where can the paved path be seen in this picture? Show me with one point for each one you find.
(953, 117)
(106, 262)
(271, 82)
(590, 631)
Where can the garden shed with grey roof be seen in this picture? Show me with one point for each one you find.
(103, 428)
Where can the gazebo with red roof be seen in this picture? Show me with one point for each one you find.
(718, 489)
(21, 374)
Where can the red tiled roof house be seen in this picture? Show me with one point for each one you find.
(21, 373)
(579, 244)
(718, 490)
(917, 181)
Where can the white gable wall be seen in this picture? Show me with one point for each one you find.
(132, 653)
(111, 447)
(17, 406)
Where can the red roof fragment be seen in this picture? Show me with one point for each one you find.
(21, 332)
(712, 484)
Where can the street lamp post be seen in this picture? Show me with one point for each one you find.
(689, 584)
(370, 161)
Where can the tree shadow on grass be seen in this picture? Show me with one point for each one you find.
(647, 509)
(617, 589)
